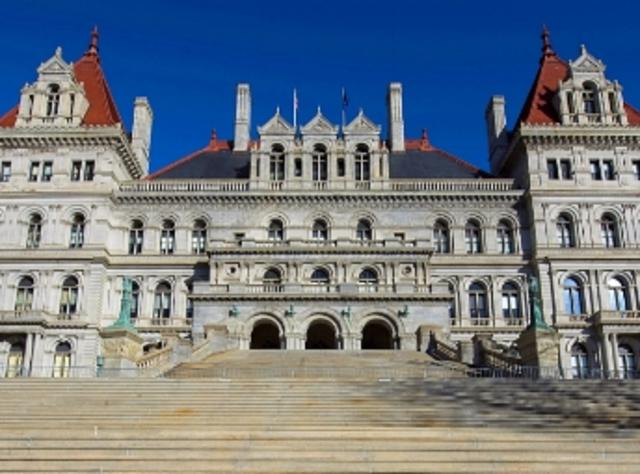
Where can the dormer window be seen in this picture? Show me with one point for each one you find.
(589, 98)
(363, 163)
(53, 100)
(276, 163)
(319, 163)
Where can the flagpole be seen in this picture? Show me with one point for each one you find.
(295, 109)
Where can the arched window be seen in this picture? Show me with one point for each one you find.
(199, 237)
(135, 300)
(24, 295)
(136, 237)
(76, 239)
(362, 163)
(34, 231)
(276, 230)
(590, 98)
(320, 230)
(168, 237)
(272, 279)
(276, 163)
(504, 231)
(579, 362)
(369, 278)
(478, 304)
(609, 231)
(473, 237)
(618, 294)
(53, 100)
(162, 301)
(441, 242)
(511, 302)
(565, 232)
(62, 360)
(319, 163)
(15, 361)
(626, 362)
(364, 230)
(572, 297)
(69, 297)
(320, 276)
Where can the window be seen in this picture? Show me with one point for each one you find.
(320, 230)
(636, 169)
(626, 362)
(609, 231)
(319, 163)
(368, 277)
(69, 297)
(552, 169)
(320, 276)
(272, 277)
(579, 362)
(510, 302)
(602, 170)
(136, 237)
(341, 168)
(607, 170)
(76, 170)
(34, 231)
(362, 163)
(82, 170)
(478, 303)
(15, 361)
(276, 163)
(565, 169)
(441, 237)
(473, 237)
(34, 171)
(572, 297)
(76, 240)
(135, 300)
(62, 360)
(24, 295)
(162, 301)
(199, 237)
(47, 171)
(564, 231)
(189, 309)
(364, 231)
(505, 238)
(5, 174)
(276, 230)
(72, 103)
(168, 237)
(589, 98)
(618, 294)
(89, 168)
(53, 100)
(297, 167)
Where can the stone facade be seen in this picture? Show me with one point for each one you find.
(318, 236)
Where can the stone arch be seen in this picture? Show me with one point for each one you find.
(265, 331)
(379, 332)
(322, 331)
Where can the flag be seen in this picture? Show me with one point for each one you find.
(295, 108)
(345, 98)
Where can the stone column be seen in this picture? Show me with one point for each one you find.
(605, 361)
(5, 347)
(615, 356)
(37, 361)
(28, 353)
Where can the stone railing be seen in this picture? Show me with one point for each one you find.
(155, 360)
(318, 289)
(243, 186)
(493, 358)
(621, 317)
(162, 322)
(36, 314)
(442, 350)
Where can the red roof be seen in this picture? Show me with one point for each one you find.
(102, 108)
(538, 108)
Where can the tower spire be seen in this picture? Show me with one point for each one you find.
(547, 49)
(93, 45)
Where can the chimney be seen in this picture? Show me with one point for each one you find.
(496, 121)
(243, 118)
(141, 133)
(396, 122)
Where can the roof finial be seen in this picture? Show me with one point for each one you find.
(93, 45)
(213, 142)
(547, 49)
(424, 140)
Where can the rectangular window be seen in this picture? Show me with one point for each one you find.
(297, 167)
(565, 169)
(341, 168)
(89, 168)
(608, 173)
(239, 236)
(6, 172)
(399, 235)
(76, 169)
(257, 167)
(34, 172)
(596, 172)
(552, 169)
(636, 169)
(47, 170)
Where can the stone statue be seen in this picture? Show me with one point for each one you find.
(536, 304)
(124, 318)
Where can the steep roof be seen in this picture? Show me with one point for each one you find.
(420, 160)
(538, 108)
(102, 107)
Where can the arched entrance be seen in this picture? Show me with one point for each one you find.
(265, 335)
(321, 334)
(377, 334)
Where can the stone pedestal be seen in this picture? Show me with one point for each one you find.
(121, 343)
(540, 348)
(218, 337)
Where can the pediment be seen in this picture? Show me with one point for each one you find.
(319, 125)
(362, 125)
(276, 125)
(56, 66)
(587, 63)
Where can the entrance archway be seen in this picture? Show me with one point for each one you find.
(265, 335)
(321, 335)
(377, 334)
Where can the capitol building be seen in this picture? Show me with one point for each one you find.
(318, 236)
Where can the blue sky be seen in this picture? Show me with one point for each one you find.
(187, 56)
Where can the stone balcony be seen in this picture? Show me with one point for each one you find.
(622, 318)
(41, 317)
